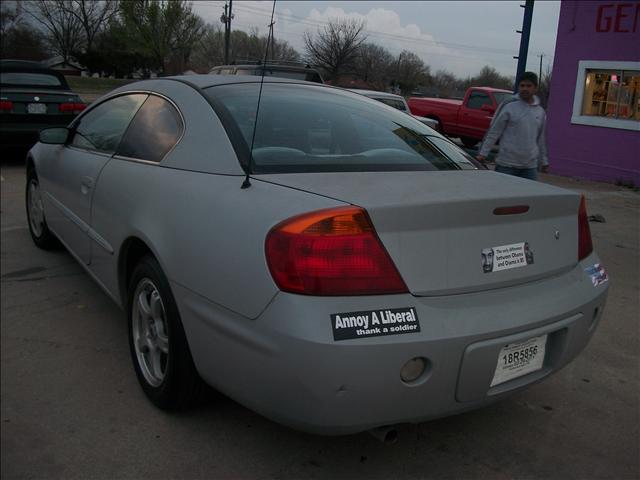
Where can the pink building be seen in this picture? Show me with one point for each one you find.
(593, 129)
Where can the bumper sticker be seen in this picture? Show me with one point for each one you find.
(597, 274)
(505, 257)
(374, 323)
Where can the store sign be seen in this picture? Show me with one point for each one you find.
(618, 18)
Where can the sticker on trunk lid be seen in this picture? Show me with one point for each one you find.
(597, 274)
(506, 257)
(374, 323)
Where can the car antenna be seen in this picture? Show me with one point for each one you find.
(247, 183)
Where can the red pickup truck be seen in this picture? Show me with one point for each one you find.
(468, 119)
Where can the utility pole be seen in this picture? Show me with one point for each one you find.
(540, 74)
(226, 19)
(524, 41)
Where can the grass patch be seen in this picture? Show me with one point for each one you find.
(95, 85)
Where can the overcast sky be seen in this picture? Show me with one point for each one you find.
(457, 36)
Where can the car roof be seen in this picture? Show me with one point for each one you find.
(205, 81)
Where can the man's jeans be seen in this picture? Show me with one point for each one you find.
(530, 173)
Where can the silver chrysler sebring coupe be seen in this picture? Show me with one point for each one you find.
(322, 258)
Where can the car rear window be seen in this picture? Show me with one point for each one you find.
(30, 79)
(306, 128)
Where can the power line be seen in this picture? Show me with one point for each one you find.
(319, 23)
(454, 57)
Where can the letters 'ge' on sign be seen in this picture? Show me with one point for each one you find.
(619, 17)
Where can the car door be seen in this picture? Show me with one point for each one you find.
(474, 121)
(73, 172)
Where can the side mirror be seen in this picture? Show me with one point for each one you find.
(488, 108)
(54, 136)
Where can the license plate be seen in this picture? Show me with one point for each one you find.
(518, 359)
(36, 108)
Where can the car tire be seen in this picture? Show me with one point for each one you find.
(40, 233)
(469, 142)
(159, 349)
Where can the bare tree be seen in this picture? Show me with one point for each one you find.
(445, 83)
(489, 77)
(544, 87)
(64, 30)
(93, 16)
(164, 30)
(282, 50)
(373, 64)
(17, 39)
(335, 48)
(411, 71)
(9, 19)
(209, 49)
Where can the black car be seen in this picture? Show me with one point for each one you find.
(283, 70)
(33, 97)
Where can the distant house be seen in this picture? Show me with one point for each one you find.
(593, 129)
(70, 67)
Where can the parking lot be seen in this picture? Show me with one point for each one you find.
(71, 406)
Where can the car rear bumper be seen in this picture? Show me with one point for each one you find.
(287, 366)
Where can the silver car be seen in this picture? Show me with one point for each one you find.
(326, 261)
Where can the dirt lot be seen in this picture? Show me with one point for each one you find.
(71, 406)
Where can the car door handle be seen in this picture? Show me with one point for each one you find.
(86, 184)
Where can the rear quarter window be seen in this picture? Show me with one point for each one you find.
(154, 131)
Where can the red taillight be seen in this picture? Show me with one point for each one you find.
(71, 107)
(6, 105)
(331, 252)
(585, 246)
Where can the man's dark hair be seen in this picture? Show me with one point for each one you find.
(529, 77)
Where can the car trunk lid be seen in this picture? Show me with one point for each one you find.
(444, 232)
(26, 101)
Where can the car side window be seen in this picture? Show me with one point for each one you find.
(155, 129)
(477, 99)
(101, 128)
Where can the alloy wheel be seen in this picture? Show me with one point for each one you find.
(150, 333)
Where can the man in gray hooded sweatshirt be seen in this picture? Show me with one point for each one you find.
(520, 126)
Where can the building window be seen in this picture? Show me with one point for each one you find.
(612, 93)
(608, 95)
